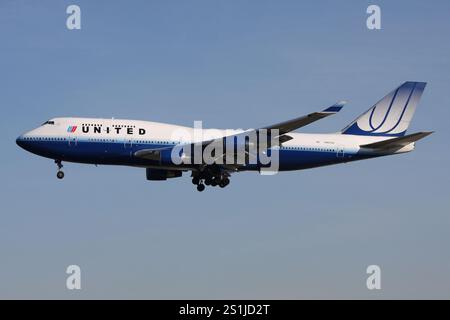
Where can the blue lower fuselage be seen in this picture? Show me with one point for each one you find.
(119, 153)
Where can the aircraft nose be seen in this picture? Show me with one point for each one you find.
(22, 142)
(19, 141)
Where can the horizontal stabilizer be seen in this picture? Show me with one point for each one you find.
(397, 142)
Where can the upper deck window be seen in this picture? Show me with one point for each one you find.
(48, 122)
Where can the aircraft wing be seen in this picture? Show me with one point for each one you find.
(282, 127)
(291, 125)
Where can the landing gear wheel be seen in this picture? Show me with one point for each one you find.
(214, 182)
(224, 182)
(201, 187)
(195, 180)
(60, 175)
(208, 181)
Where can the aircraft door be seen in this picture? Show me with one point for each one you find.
(340, 152)
(128, 143)
(73, 141)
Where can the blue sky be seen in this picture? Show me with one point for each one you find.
(231, 64)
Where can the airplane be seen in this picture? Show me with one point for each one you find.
(380, 131)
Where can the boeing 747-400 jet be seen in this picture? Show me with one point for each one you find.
(166, 150)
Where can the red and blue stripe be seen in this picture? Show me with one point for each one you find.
(72, 129)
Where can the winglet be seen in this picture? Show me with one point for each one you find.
(335, 107)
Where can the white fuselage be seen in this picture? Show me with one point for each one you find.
(114, 141)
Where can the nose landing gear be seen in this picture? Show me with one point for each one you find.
(60, 173)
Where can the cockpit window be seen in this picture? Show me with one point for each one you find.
(48, 122)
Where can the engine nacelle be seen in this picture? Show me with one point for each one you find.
(157, 174)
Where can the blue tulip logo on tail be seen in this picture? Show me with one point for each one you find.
(71, 129)
(391, 115)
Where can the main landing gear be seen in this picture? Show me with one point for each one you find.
(201, 179)
(60, 173)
